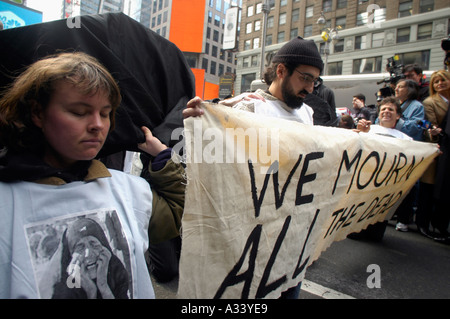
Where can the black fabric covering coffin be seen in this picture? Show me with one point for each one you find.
(153, 75)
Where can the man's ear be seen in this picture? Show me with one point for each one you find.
(281, 70)
(36, 113)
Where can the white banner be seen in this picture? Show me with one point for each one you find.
(266, 196)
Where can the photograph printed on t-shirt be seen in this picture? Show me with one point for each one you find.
(84, 255)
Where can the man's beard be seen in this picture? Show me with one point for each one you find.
(291, 99)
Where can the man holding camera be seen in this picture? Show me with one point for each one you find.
(414, 72)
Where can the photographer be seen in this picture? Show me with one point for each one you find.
(414, 72)
(445, 45)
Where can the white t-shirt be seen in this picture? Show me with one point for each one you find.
(392, 132)
(276, 108)
(35, 221)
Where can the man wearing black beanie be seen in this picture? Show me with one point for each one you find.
(291, 76)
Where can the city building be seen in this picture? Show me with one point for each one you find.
(363, 34)
(196, 27)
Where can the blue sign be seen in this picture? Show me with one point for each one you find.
(13, 15)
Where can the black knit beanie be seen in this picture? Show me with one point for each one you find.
(299, 51)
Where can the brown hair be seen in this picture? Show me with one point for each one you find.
(36, 85)
(391, 100)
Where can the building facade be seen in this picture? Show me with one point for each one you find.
(196, 27)
(369, 32)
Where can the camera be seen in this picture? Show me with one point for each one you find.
(424, 124)
(396, 73)
(445, 45)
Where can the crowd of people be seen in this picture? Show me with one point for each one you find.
(54, 120)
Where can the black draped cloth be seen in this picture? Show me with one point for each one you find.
(153, 75)
(442, 182)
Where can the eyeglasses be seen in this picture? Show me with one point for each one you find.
(308, 78)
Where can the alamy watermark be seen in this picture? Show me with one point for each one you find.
(232, 145)
(374, 279)
(74, 22)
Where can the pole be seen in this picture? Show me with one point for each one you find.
(266, 10)
(327, 51)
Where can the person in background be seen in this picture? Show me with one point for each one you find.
(389, 115)
(54, 119)
(322, 102)
(412, 110)
(346, 121)
(436, 107)
(414, 72)
(360, 111)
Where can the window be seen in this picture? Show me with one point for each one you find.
(207, 48)
(294, 33)
(221, 69)
(212, 70)
(424, 31)
(377, 39)
(270, 22)
(214, 51)
(339, 46)
(422, 58)
(209, 17)
(280, 37)
(295, 15)
(257, 25)
(282, 20)
(378, 15)
(369, 65)
(334, 68)
(308, 31)
(326, 5)
(246, 81)
(216, 35)
(403, 35)
(269, 39)
(426, 6)
(360, 42)
(254, 60)
(405, 9)
(283, 3)
(341, 4)
(258, 7)
(248, 27)
(205, 64)
(249, 11)
(217, 20)
(246, 62)
(341, 21)
(247, 44)
(309, 12)
(255, 43)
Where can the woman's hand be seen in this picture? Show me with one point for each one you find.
(193, 108)
(152, 145)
